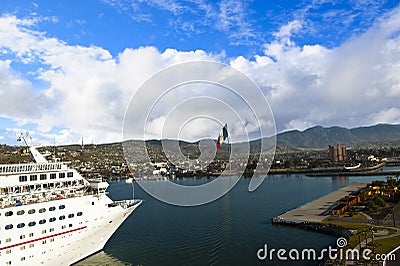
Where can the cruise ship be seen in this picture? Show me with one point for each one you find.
(51, 215)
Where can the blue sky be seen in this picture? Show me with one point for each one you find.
(304, 55)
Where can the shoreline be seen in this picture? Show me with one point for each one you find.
(310, 216)
(319, 227)
(318, 209)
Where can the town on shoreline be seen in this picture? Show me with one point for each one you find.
(366, 214)
(109, 160)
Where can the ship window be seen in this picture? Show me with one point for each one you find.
(63, 227)
(32, 224)
(52, 208)
(31, 245)
(52, 219)
(61, 175)
(30, 234)
(9, 213)
(23, 178)
(32, 211)
(33, 177)
(22, 248)
(43, 221)
(79, 214)
(43, 231)
(44, 242)
(52, 239)
(21, 236)
(70, 174)
(9, 226)
(43, 177)
(71, 215)
(42, 210)
(70, 225)
(8, 251)
(62, 207)
(23, 258)
(62, 217)
(51, 229)
(53, 176)
(21, 212)
(21, 225)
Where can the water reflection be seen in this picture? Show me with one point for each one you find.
(101, 258)
(340, 179)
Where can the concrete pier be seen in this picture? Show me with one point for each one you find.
(319, 209)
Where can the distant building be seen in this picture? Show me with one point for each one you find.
(337, 153)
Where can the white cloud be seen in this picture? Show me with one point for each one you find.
(16, 98)
(339, 86)
(287, 30)
(390, 115)
(88, 89)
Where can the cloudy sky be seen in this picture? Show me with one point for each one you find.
(68, 69)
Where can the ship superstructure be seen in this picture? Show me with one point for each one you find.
(51, 215)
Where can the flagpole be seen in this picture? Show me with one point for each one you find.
(229, 145)
(133, 188)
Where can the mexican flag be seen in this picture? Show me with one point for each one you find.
(222, 136)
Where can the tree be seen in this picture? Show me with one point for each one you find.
(379, 201)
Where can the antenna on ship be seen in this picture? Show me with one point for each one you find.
(22, 138)
(54, 148)
(39, 158)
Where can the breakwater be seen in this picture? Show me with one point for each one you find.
(329, 229)
(319, 209)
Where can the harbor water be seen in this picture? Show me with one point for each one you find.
(228, 231)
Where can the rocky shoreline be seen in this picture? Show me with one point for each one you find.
(329, 229)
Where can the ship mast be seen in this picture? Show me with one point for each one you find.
(39, 158)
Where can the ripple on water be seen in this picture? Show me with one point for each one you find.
(101, 258)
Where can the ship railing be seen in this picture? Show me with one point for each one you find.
(19, 200)
(125, 203)
(31, 167)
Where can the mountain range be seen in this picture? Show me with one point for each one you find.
(321, 137)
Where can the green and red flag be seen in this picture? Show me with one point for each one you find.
(223, 135)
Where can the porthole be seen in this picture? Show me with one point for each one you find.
(9, 213)
(62, 217)
(52, 208)
(62, 207)
(21, 225)
(32, 211)
(71, 215)
(52, 219)
(42, 210)
(9, 226)
(79, 214)
(21, 212)
(42, 221)
(32, 224)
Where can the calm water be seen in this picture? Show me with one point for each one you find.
(228, 231)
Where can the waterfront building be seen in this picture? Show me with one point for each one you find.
(337, 153)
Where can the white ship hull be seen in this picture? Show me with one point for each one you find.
(61, 242)
(51, 215)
